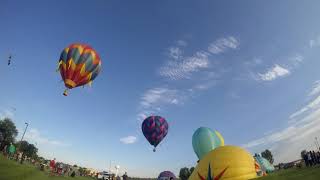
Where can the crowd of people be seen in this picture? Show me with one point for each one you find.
(54, 168)
(311, 158)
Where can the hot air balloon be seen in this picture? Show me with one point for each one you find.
(79, 65)
(225, 163)
(155, 128)
(166, 175)
(9, 60)
(205, 140)
(264, 164)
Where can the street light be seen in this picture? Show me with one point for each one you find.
(24, 131)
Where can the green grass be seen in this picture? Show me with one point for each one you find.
(295, 174)
(10, 170)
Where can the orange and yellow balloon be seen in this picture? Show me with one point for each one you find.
(79, 65)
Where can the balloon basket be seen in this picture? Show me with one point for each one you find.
(65, 93)
(154, 150)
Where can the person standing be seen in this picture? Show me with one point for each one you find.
(305, 158)
(52, 166)
(125, 176)
(12, 150)
(5, 150)
(310, 158)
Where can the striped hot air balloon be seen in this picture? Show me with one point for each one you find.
(79, 65)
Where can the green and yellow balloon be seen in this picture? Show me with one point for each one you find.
(205, 140)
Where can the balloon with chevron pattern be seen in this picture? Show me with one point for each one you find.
(155, 129)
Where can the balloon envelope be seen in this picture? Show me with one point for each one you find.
(226, 162)
(205, 140)
(79, 64)
(265, 165)
(166, 175)
(155, 128)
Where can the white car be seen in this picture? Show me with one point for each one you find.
(104, 176)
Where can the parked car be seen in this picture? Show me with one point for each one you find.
(104, 176)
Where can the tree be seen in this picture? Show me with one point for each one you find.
(267, 155)
(28, 149)
(303, 153)
(184, 173)
(8, 130)
(191, 170)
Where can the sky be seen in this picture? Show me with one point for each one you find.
(249, 69)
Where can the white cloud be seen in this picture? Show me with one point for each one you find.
(34, 136)
(316, 89)
(128, 140)
(182, 69)
(273, 73)
(314, 104)
(223, 44)
(294, 61)
(156, 97)
(299, 134)
(175, 53)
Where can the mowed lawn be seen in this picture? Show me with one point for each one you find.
(295, 174)
(10, 170)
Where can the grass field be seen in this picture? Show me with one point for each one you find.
(10, 170)
(295, 174)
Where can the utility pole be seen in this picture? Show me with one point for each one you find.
(24, 131)
(317, 143)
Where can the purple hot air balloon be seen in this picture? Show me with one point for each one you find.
(155, 128)
(166, 175)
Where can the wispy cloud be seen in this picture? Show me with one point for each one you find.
(316, 89)
(34, 136)
(273, 73)
(156, 97)
(223, 44)
(179, 66)
(128, 140)
(298, 134)
(175, 53)
(197, 70)
(183, 69)
(313, 104)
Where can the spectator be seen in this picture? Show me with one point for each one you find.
(305, 158)
(125, 176)
(5, 150)
(52, 166)
(314, 159)
(309, 158)
(12, 150)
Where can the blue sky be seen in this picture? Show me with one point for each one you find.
(248, 69)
